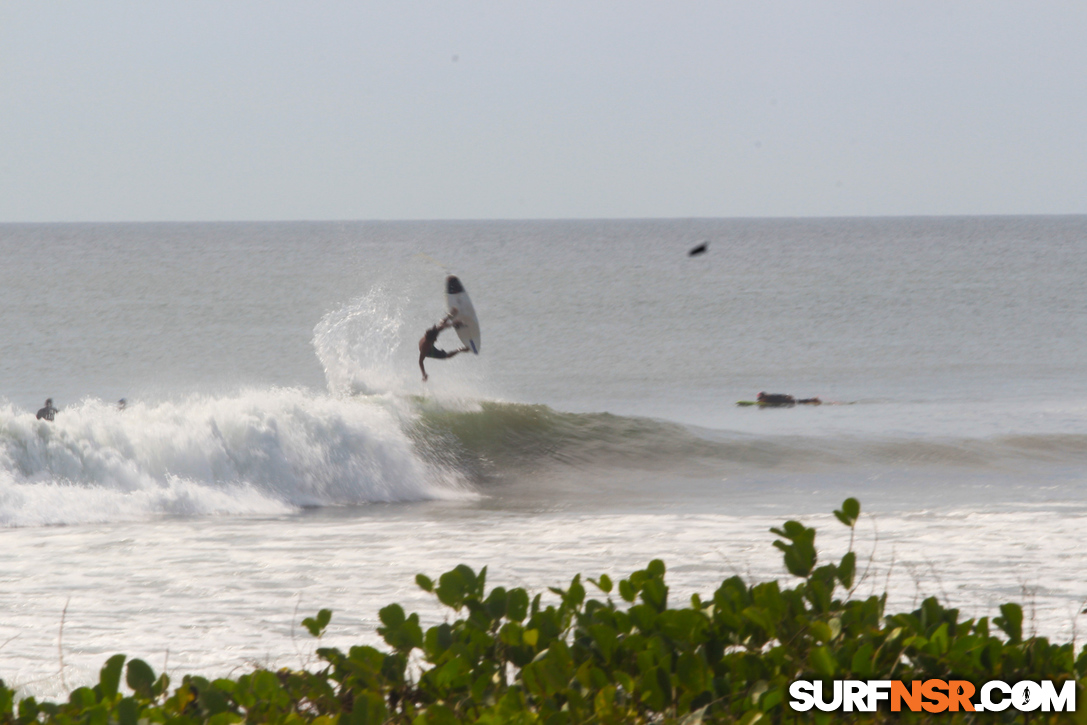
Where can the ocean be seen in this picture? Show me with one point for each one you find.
(279, 452)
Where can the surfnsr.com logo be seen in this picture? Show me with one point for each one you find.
(932, 696)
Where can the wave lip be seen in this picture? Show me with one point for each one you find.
(261, 452)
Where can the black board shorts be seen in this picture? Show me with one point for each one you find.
(437, 354)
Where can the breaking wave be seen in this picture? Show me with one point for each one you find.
(259, 452)
(273, 452)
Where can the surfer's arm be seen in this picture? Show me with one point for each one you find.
(422, 357)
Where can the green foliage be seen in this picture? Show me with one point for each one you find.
(508, 657)
(849, 512)
(110, 677)
(800, 554)
(316, 625)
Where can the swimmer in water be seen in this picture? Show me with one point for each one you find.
(48, 411)
(780, 400)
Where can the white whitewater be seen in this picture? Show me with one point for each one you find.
(257, 452)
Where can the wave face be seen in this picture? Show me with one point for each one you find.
(494, 439)
(263, 452)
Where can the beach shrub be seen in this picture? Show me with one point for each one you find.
(623, 655)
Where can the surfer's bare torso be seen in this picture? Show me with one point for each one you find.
(429, 339)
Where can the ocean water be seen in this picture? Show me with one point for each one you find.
(279, 452)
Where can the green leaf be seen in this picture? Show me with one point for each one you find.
(850, 512)
(83, 698)
(402, 633)
(225, 718)
(424, 582)
(1011, 622)
(846, 569)
(128, 711)
(369, 709)
(215, 701)
(939, 641)
(495, 604)
(141, 678)
(437, 714)
(110, 677)
(316, 625)
(516, 604)
(511, 634)
(771, 699)
(655, 594)
(820, 632)
(575, 595)
(751, 717)
(604, 703)
(368, 658)
(862, 660)
(605, 638)
(762, 618)
(266, 686)
(455, 586)
(28, 709)
(603, 583)
(162, 684)
(691, 671)
(823, 662)
(392, 615)
(800, 554)
(654, 689)
(453, 674)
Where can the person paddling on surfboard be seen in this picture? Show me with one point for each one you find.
(426, 343)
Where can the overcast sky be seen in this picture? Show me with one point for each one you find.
(190, 110)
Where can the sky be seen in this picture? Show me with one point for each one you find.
(201, 110)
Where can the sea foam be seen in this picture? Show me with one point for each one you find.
(260, 452)
(357, 344)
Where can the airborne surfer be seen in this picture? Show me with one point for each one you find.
(426, 343)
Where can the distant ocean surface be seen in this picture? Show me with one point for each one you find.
(279, 452)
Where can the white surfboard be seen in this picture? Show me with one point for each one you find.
(464, 322)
